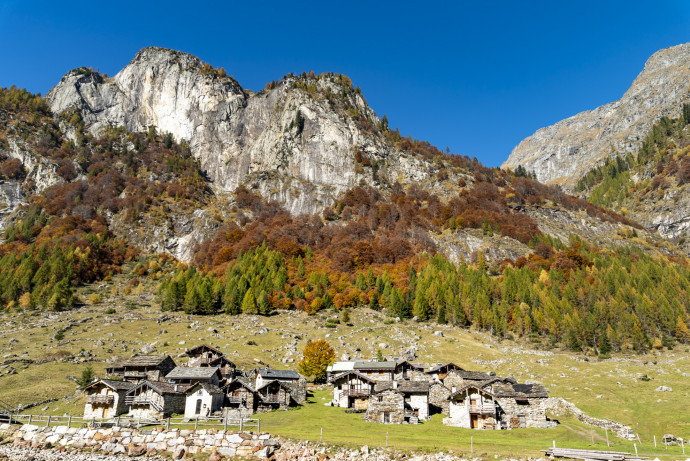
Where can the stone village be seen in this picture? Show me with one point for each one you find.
(151, 388)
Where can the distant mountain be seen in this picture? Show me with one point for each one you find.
(564, 152)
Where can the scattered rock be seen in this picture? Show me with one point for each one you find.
(663, 389)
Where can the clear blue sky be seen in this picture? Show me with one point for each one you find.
(475, 76)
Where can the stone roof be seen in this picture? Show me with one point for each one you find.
(473, 375)
(141, 361)
(113, 384)
(352, 372)
(208, 387)
(376, 366)
(404, 387)
(337, 367)
(521, 391)
(196, 349)
(192, 373)
(412, 365)
(270, 373)
(242, 382)
(223, 359)
(448, 365)
(161, 388)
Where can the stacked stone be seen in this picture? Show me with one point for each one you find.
(132, 442)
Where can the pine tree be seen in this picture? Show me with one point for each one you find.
(682, 333)
(264, 305)
(249, 303)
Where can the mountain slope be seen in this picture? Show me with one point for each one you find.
(564, 152)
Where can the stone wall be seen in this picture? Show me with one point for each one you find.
(387, 406)
(531, 415)
(139, 442)
(559, 406)
(438, 398)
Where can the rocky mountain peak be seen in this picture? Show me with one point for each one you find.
(564, 152)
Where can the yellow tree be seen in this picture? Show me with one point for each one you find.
(317, 356)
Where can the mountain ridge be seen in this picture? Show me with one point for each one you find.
(562, 153)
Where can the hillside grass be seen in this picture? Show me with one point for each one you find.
(610, 388)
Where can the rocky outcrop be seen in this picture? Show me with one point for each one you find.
(291, 142)
(564, 152)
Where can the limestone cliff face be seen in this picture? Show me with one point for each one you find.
(564, 152)
(240, 136)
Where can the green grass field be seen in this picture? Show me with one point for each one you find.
(615, 388)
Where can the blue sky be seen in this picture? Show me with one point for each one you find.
(477, 77)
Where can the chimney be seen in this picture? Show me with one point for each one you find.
(395, 384)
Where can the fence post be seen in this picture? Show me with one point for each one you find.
(386, 438)
(139, 423)
(30, 417)
(682, 443)
(225, 423)
(321, 439)
(167, 424)
(69, 421)
(241, 419)
(93, 422)
(655, 441)
(196, 423)
(635, 445)
(48, 421)
(258, 425)
(607, 436)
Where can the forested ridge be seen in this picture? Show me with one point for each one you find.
(372, 248)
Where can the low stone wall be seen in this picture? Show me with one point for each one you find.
(560, 406)
(121, 441)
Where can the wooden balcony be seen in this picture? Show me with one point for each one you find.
(356, 392)
(100, 399)
(139, 400)
(485, 409)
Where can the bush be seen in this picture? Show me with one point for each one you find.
(95, 298)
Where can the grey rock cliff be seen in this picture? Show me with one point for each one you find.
(564, 152)
(238, 136)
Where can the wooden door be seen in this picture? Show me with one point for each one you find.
(474, 422)
(386, 417)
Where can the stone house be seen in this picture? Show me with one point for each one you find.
(386, 406)
(106, 398)
(440, 372)
(143, 367)
(406, 370)
(202, 400)
(415, 397)
(438, 398)
(156, 400)
(208, 356)
(522, 405)
(193, 375)
(352, 390)
(295, 381)
(273, 395)
(240, 399)
(378, 371)
(337, 368)
(472, 407)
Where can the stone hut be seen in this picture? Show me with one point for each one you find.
(274, 395)
(416, 395)
(106, 398)
(440, 372)
(295, 381)
(408, 371)
(202, 355)
(202, 400)
(143, 367)
(352, 390)
(438, 398)
(473, 408)
(387, 407)
(156, 400)
(240, 399)
(189, 375)
(522, 405)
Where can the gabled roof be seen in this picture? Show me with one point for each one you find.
(347, 373)
(274, 382)
(242, 382)
(193, 373)
(141, 361)
(447, 366)
(416, 366)
(473, 375)
(113, 384)
(375, 366)
(161, 388)
(200, 348)
(210, 388)
(521, 391)
(403, 387)
(270, 373)
(471, 386)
